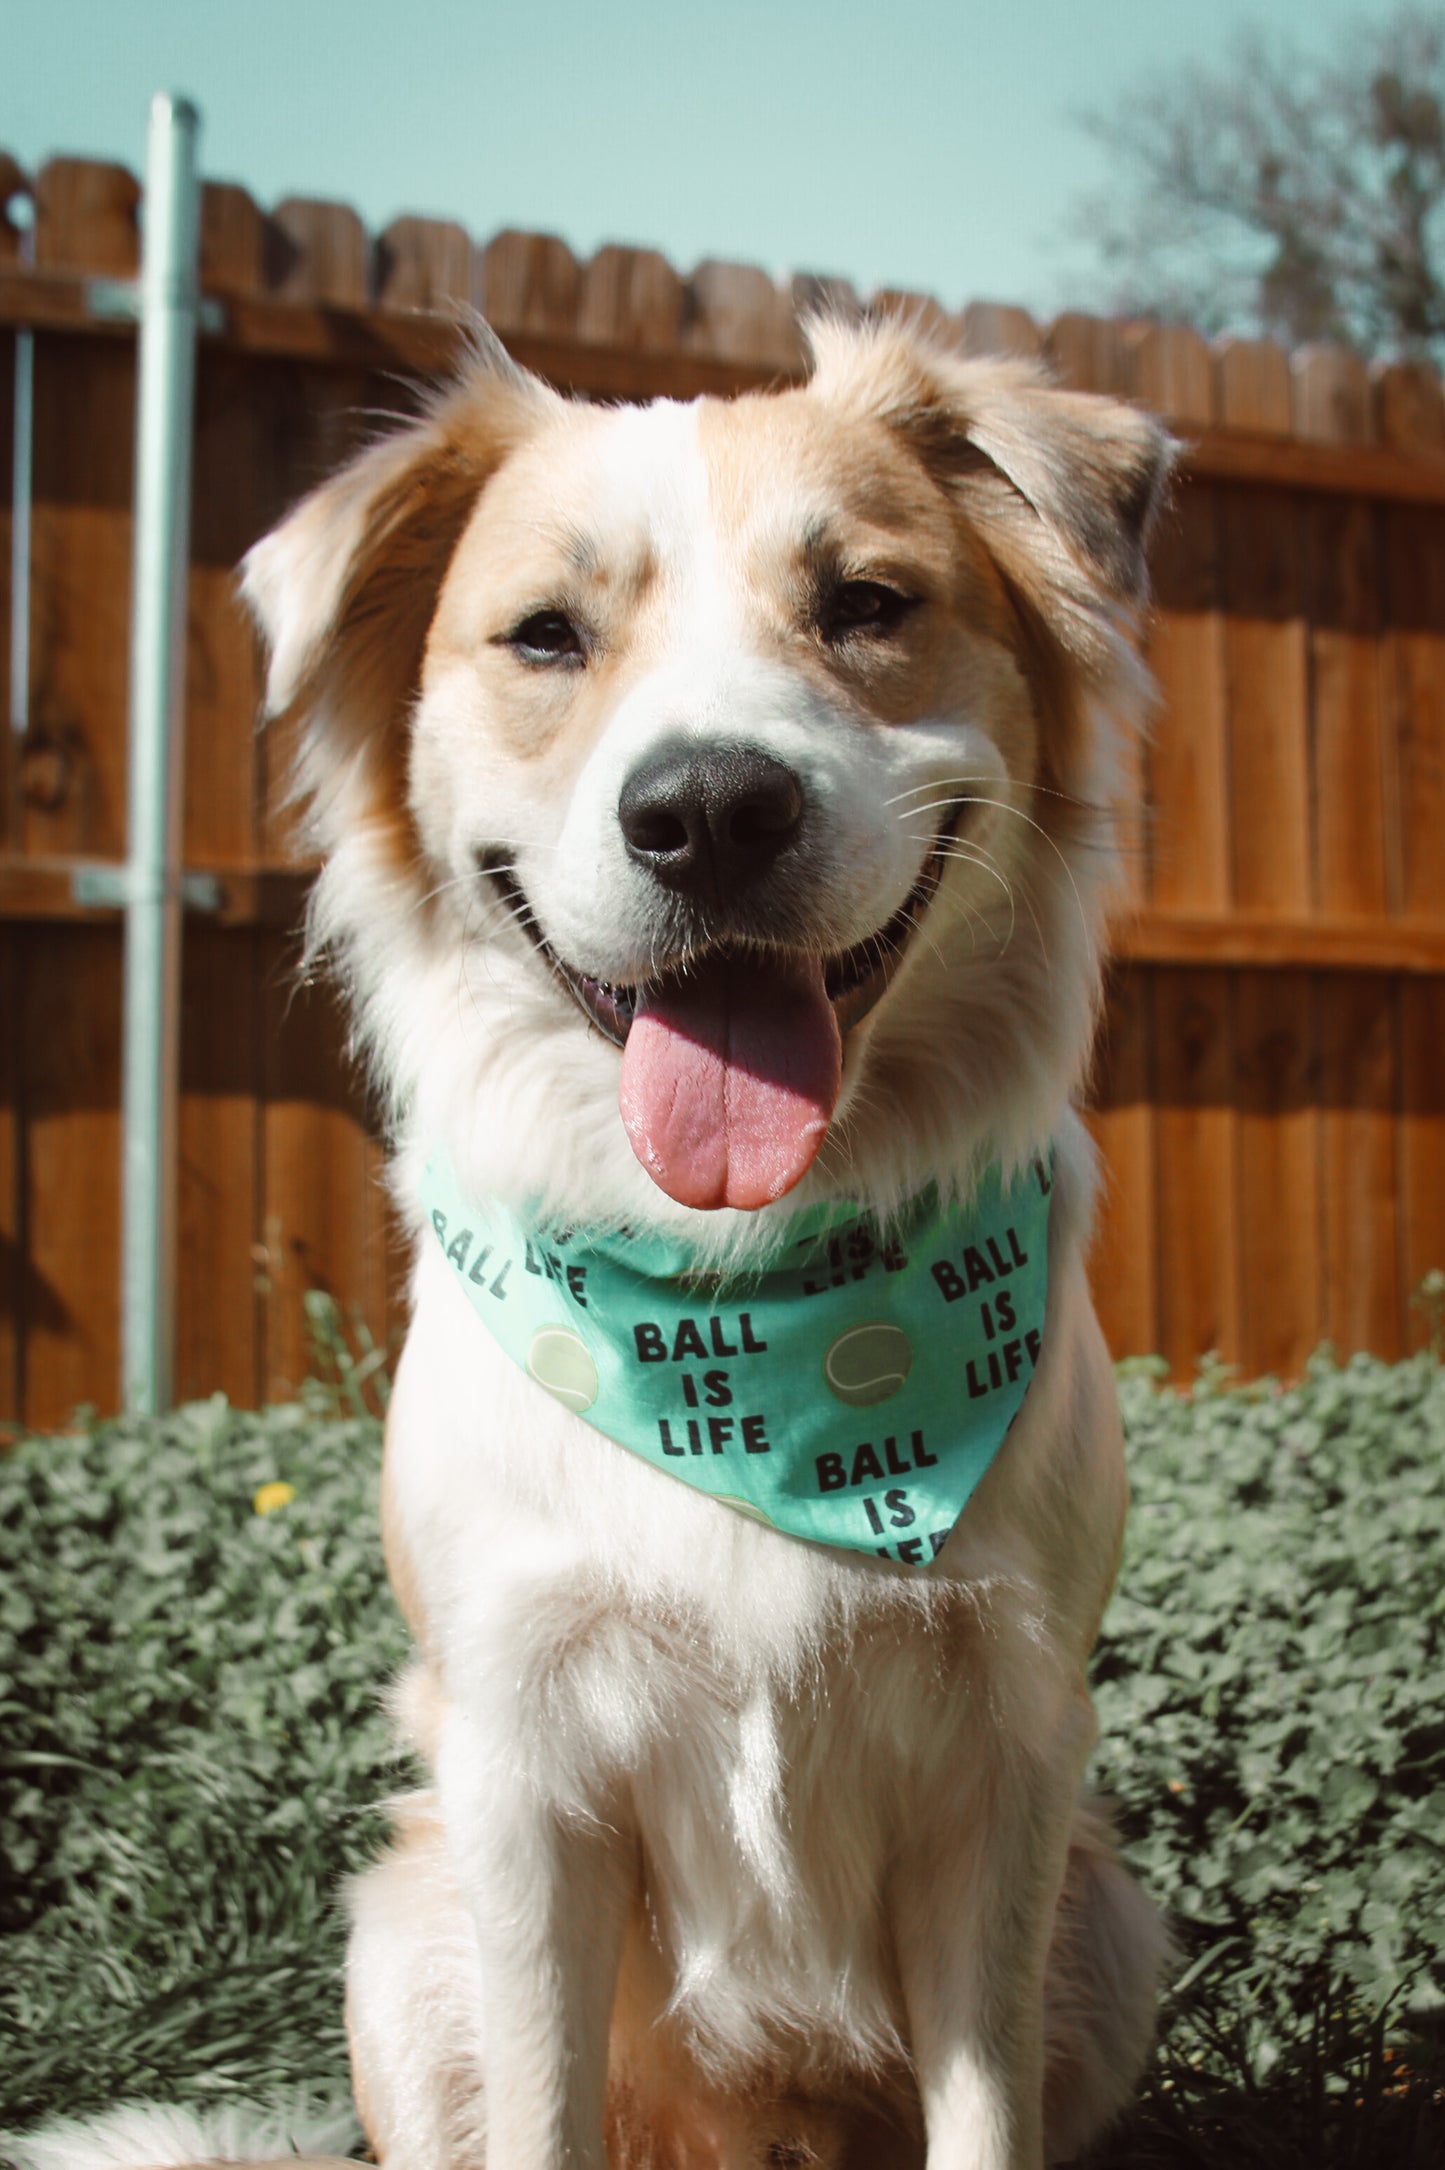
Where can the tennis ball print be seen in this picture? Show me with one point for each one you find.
(868, 1363)
(744, 1506)
(560, 1360)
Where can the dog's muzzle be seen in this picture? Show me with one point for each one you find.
(732, 1052)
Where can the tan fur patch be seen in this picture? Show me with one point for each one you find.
(802, 492)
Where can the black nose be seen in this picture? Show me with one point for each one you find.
(709, 820)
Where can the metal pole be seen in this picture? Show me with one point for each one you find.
(22, 469)
(164, 421)
(22, 492)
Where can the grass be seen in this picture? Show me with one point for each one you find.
(194, 1623)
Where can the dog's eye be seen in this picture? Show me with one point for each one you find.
(547, 636)
(863, 606)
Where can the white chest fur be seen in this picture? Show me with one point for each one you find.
(778, 1723)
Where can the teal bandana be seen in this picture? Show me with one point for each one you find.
(853, 1393)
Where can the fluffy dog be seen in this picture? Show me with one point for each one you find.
(716, 805)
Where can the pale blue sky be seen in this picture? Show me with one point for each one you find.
(919, 144)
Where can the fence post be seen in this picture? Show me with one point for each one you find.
(164, 424)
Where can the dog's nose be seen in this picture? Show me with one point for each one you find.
(709, 820)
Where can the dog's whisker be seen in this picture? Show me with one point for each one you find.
(975, 921)
(1062, 859)
(467, 883)
(985, 776)
(1028, 906)
(981, 859)
(1019, 814)
(974, 854)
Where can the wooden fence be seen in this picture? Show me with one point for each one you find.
(1271, 1092)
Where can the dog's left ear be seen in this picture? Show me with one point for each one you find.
(344, 589)
(1063, 485)
(1094, 470)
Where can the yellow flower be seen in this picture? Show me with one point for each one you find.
(274, 1495)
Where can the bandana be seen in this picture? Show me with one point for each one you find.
(852, 1393)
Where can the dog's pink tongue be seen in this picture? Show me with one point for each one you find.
(729, 1080)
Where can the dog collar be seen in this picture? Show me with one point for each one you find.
(852, 1393)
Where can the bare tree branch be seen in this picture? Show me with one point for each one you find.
(1277, 194)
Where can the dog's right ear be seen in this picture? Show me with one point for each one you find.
(344, 589)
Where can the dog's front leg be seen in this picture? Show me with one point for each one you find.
(549, 1891)
(973, 1906)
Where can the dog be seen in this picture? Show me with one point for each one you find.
(717, 811)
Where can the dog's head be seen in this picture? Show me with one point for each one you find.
(732, 779)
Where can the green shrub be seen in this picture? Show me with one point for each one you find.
(1271, 1694)
(191, 1750)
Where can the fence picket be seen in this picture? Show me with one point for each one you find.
(530, 283)
(236, 492)
(86, 217)
(1415, 681)
(1333, 403)
(1188, 759)
(318, 251)
(1252, 383)
(233, 240)
(818, 293)
(1421, 1183)
(738, 313)
(1121, 1117)
(995, 327)
(1267, 664)
(15, 1292)
(14, 187)
(919, 311)
(425, 264)
(1194, 1139)
(1268, 678)
(1196, 1128)
(324, 1214)
(1356, 1015)
(1195, 1125)
(1280, 1209)
(1414, 684)
(74, 764)
(1342, 569)
(1090, 353)
(1409, 410)
(1171, 370)
(1359, 1061)
(217, 1310)
(11, 814)
(14, 182)
(67, 1030)
(630, 298)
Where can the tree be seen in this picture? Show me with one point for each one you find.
(1299, 198)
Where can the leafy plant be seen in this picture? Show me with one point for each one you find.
(190, 1751)
(349, 1375)
(194, 1627)
(1271, 1693)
